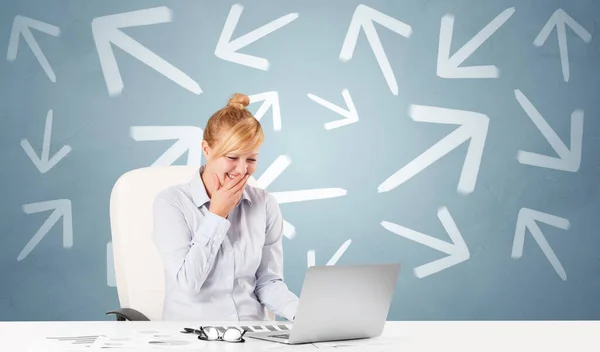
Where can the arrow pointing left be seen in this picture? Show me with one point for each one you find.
(473, 126)
(227, 49)
(44, 162)
(188, 140)
(62, 208)
(22, 26)
(106, 32)
(448, 66)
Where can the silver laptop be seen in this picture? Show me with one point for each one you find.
(340, 302)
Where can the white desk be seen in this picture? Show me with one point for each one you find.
(397, 336)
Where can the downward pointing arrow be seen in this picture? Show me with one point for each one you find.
(270, 100)
(227, 49)
(351, 115)
(473, 126)
(22, 26)
(310, 255)
(560, 19)
(457, 251)
(364, 17)
(44, 163)
(62, 208)
(448, 66)
(106, 32)
(568, 160)
(528, 219)
(188, 138)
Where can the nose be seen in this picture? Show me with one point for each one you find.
(241, 168)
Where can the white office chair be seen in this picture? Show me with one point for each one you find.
(138, 265)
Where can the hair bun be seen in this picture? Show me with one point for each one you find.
(239, 101)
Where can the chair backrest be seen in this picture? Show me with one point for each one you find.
(138, 266)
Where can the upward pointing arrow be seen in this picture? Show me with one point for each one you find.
(270, 100)
(528, 219)
(62, 208)
(364, 17)
(560, 19)
(22, 26)
(188, 138)
(106, 31)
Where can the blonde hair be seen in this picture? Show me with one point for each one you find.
(233, 128)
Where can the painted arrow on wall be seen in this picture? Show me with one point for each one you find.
(310, 255)
(227, 49)
(187, 137)
(44, 163)
(560, 20)
(568, 159)
(457, 251)
(448, 66)
(364, 17)
(270, 100)
(61, 208)
(528, 219)
(350, 114)
(106, 31)
(22, 26)
(473, 127)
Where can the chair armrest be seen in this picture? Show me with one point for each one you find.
(124, 314)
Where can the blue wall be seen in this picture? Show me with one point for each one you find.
(467, 199)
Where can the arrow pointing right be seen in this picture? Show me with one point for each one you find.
(560, 19)
(106, 31)
(270, 100)
(188, 140)
(22, 25)
(310, 255)
(457, 251)
(350, 115)
(568, 160)
(364, 17)
(473, 126)
(528, 219)
(62, 208)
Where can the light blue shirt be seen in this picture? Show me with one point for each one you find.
(221, 269)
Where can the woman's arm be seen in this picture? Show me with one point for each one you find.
(188, 257)
(270, 288)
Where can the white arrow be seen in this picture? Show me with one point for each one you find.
(62, 208)
(22, 26)
(351, 115)
(473, 126)
(270, 100)
(560, 19)
(44, 163)
(273, 172)
(568, 160)
(528, 219)
(457, 251)
(364, 17)
(310, 255)
(448, 66)
(227, 49)
(188, 140)
(106, 31)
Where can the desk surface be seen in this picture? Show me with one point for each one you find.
(505, 336)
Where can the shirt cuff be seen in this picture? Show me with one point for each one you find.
(289, 312)
(213, 230)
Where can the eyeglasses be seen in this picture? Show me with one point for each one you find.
(211, 333)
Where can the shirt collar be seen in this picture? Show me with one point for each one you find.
(199, 194)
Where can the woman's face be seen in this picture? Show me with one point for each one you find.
(232, 164)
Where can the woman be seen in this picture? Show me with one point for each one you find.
(221, 239)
